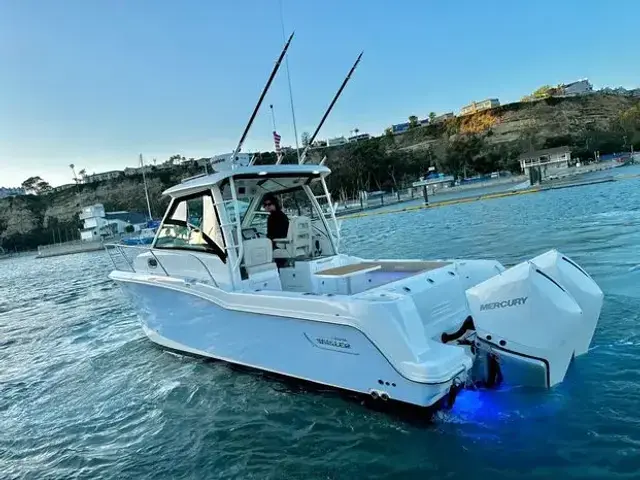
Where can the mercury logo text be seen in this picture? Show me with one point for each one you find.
(514, 302)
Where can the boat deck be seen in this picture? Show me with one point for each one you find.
(396, 267)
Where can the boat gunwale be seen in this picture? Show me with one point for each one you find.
(134, 277)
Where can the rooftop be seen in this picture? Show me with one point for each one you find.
(287, 170)
(546, 151)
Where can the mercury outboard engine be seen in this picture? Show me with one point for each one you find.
(532, 319)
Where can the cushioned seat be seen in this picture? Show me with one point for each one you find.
(298, 242)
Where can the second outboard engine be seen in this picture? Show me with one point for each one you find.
(527, 322)
(583, 289)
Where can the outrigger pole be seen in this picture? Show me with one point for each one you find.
(264, 92)
(303, 157)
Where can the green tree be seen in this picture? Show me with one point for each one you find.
(305, 138)
(629, 121)
(30, 183)
(43, 187)
(432, 117)
(36, 185)
(465, 156)
(542, 92)
(413, 121)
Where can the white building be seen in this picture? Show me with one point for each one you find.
(99, 224)
(443, 117)
(66, 186)
(334, 142)
(94, 221)
(101, 177)
(546, 162)
(581, 87)
(360, 137)
(474, 107)
(129, 171)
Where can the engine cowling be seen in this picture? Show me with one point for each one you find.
(528, 321)
(581, 286)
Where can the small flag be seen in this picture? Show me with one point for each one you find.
(276, 140)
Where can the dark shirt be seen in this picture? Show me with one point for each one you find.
(277, 225)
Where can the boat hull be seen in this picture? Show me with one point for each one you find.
(334, 355)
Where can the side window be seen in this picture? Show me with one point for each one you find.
(192, 225)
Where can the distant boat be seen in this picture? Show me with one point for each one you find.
(143, 237)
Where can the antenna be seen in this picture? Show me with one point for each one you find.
(326, 114)
(293, 113)
(146, 192)
(264, 92)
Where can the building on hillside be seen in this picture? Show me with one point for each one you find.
(104, 176)
(359, 137)
(66, 186)
(11, 192)
(544, 163)
(474, 107)
(443, 117)
(634, 92)
(129, 171)
(403, 127)
(581, 87)
(400, 128)
(334, 142)
(99, 224)
(319, 144)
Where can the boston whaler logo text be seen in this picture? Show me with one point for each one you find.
(514, 302)
(334, 342)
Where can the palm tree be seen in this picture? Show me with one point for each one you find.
(72, 167)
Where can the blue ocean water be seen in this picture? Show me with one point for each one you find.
(83, 394)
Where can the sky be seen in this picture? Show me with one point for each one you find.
(96, 83)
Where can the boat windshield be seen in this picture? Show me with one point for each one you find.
(192, 224)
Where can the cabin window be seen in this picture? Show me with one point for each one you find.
(192, 224)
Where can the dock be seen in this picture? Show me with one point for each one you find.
(489, 196)
(68, 248)
(568, 183)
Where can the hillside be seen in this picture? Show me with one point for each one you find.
(487, 141)
(479, 143)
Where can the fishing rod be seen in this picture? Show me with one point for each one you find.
(303, 157)
(264, 92)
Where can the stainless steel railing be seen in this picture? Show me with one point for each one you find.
(121, 249)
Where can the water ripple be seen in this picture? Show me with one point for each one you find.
(85, 395)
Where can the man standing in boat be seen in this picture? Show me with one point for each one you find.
(278, 222)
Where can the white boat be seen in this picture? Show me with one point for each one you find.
(414, 331)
